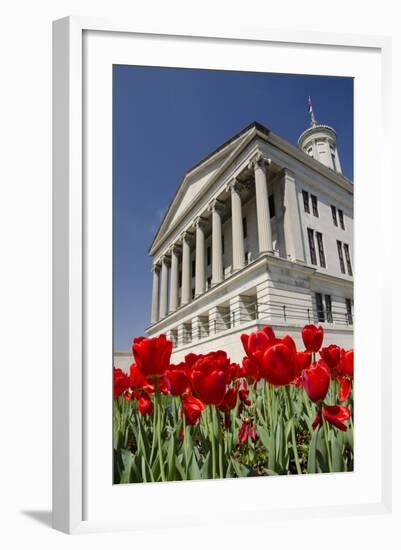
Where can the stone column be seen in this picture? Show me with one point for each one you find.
(292, 220)
(217, 208)
(155, 294)
(237, 228)
(174, 278)
(200, 225)
(164, 288)
(262, 204)
(186, 268)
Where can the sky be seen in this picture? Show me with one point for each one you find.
(164, 121)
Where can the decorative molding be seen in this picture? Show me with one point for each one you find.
(200, 223)
(259, 160)
(217, 205)
(186, 236)
(155, 268)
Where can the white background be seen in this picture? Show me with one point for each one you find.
(25, 168)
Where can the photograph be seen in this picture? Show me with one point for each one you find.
(233, 302)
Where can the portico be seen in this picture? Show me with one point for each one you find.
(231, 251)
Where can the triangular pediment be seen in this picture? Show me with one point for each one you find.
(196, 180)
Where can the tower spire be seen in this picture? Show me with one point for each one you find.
(311, 113)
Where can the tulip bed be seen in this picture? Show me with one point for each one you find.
(282, 411)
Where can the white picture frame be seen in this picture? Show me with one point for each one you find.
(71, 256)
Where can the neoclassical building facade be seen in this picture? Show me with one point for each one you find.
(259, 232)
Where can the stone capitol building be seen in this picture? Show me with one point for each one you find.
(260, 232)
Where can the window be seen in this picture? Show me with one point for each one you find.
(312, 248)
(193, 268)
(305, 196)
(272, 207)
(334, 215)
(348, 305)
(319, 307)
(244, 227)
(340, 256)
(329, 313)
(348, 259)
(341, 217)
(314, 206)
(208, 254)
(322, 258)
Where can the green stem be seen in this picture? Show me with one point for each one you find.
(294, 448)
(185, 444)
(220, 432)
(211, 436)
(326, 440)
(159, 438)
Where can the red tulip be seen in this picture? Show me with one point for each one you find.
(316, 381)
(209, 377)
(346, 366)
(243, 394)
(279, 362)
(312, 337)
(229, 400)
(152, 355)
(345, 389)
(145, 405)
(177, 380)
(304, 359)
(120, 382)
(250, 370)
(253, 433)
(244, 433)
(335, 415)
(192, 408)
(257, 342)
(331, 356)
(137, 380)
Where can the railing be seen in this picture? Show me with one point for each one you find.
(265, 311)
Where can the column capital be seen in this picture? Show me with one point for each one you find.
(186, 236)
(200, 222)
(165, 260)
(216, 205)
(259, 160)
(155, 268)
(236, 186)
(175, 248)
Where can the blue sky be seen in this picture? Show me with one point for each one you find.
(164, 121)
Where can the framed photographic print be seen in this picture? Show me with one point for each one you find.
(213, 205)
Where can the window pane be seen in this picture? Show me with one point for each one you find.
(334, 215)
(322, 257)
(329, 313)
(305, 196)
(314, 206)
(348, 305)
(319, 307)
(340, 256)
(348, 259)
(312, 249)
(341, 217)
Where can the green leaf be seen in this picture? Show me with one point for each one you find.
(337, 456)
(180, 468)
(312, 466)
(170, 458)
(194, 472)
